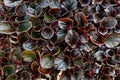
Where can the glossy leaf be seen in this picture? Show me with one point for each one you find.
(109, 22)
(75, 53)
(81, 19)
(69, 4)
(43, 3)
(87, 47)
(61, 64)
(47, 33)
(48, 18)
(12, 77)
(71, 38)
(61, 35)
(34, 10)
(83, 37)
(47, 61)
(112, 40)
(64, 23)
(6, 28)
(11, 3)
(28, 55)
(100, 55)
(8, 70)
(25, 26)
(54, 3)
(15, 54)
(21, 9)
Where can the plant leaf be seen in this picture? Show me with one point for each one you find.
(61, 35)
(11, 3)
(48, 18)
(71, 38)
(28, 55)
(47, 33)
(100, 55)
(12, 77)
(25, 26)
(54, 3)
(47, 61)
(69, 4)
(108, 22)
(60, 64)
(43, 3)
(8, 70)
(25, 75)
(81, 19)
(112, 40)
(6, 28)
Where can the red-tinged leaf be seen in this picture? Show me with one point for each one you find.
(71, 38)
(81, 19)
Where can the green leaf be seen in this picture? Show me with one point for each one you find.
(16, 54)
(25, 26)
(48, 18)
(6, 28)
(28, 55)
(12, 77)
(25, 75)
(78, 62)
(47, 61)
(8, 70)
